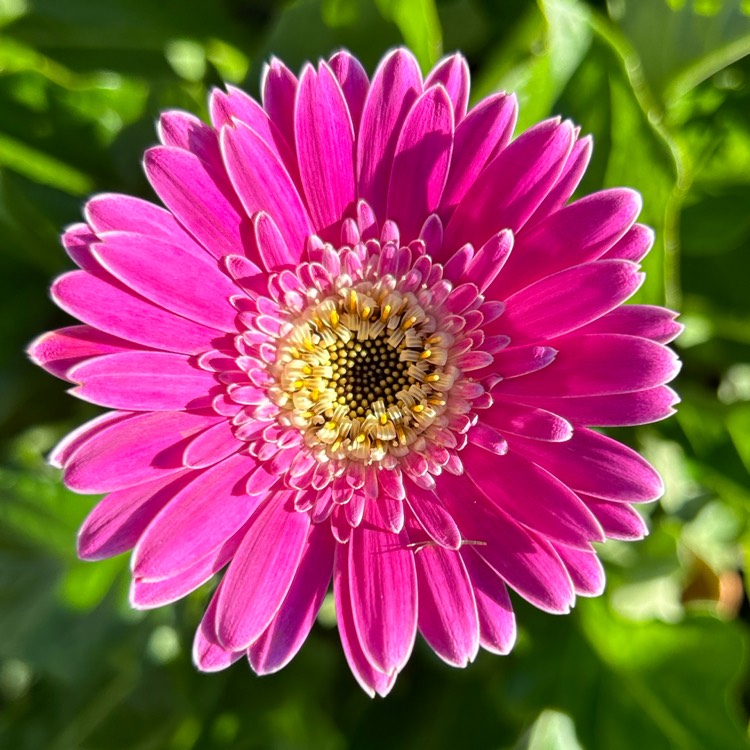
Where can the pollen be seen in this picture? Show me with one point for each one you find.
(359, 373)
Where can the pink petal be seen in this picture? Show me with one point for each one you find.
(278, 91)
(433, 517)
(110, 212)
(111, 309)
(147, 594)
(522, 360)
(528, 421)
(383, 584)
(634, 245)
(133, 451)
(453, 73)
(578, 233)
(597, 365)
(420, 162)
(619, 520)
(567, 300)
(395, 86)
(142, 381)
(353, 81)
(263, 184)
(510, 188)
(497, 623)
(532, 497)
(167, 275)
(289, 628)
(200, 518)
(480, 136)
(448, 617)
(187, 132)
(567, 182)
(58, 351)
(63, 452)
(261, 572)
(370, 679)
(526, 561)
(614, 410)
(211, 446)
(193, 195)
(596, 465)
(236, 104)
(489, 260)
(585, 570)
(649, 321)
(325, 146)
(208, 655)
(272, 248)
(118, 520)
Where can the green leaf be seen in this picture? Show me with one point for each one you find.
(419, 25)
(551, 731)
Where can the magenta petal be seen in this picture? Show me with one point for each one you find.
(278, 92)
(325, 147)
(421, 161)
(370, 679)
(511, 187)
(63, 452)
(634, 245)
(118, 312)
(522, 360)
(597, 365)
(585, 570)
(168, 276)
(565, 301)
(147, 594)
(619, 520)
(272, 247)
(236, 104)
(528, 421)
(109, 212)
(187, 188)
(58, 351)
(118, 520)
(132, 451)
(596, 465)
(263, 184)
(211, 446)
(526, 561)
(396, 84)
(189, 528)
(614, 410)
(185, 131)
(578, 233)
(142, 381)
(497, 623)
(479, 137)
(208, 655)
(568, 181)
(533, 497)
(261, 572)
(453, 74)
(289, 628)
(433, 517)
(648, 321)
(448, 617)
(383, 586)
(489, 260)
(353, 81)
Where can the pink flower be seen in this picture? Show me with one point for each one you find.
(365, 343)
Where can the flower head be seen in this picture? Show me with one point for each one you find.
(365, 343)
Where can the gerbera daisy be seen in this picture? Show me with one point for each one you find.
(363, 346)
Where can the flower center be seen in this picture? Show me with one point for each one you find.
(363, 373)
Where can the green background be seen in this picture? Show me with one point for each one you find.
(659, 661)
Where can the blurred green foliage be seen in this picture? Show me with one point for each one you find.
(660, 660)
